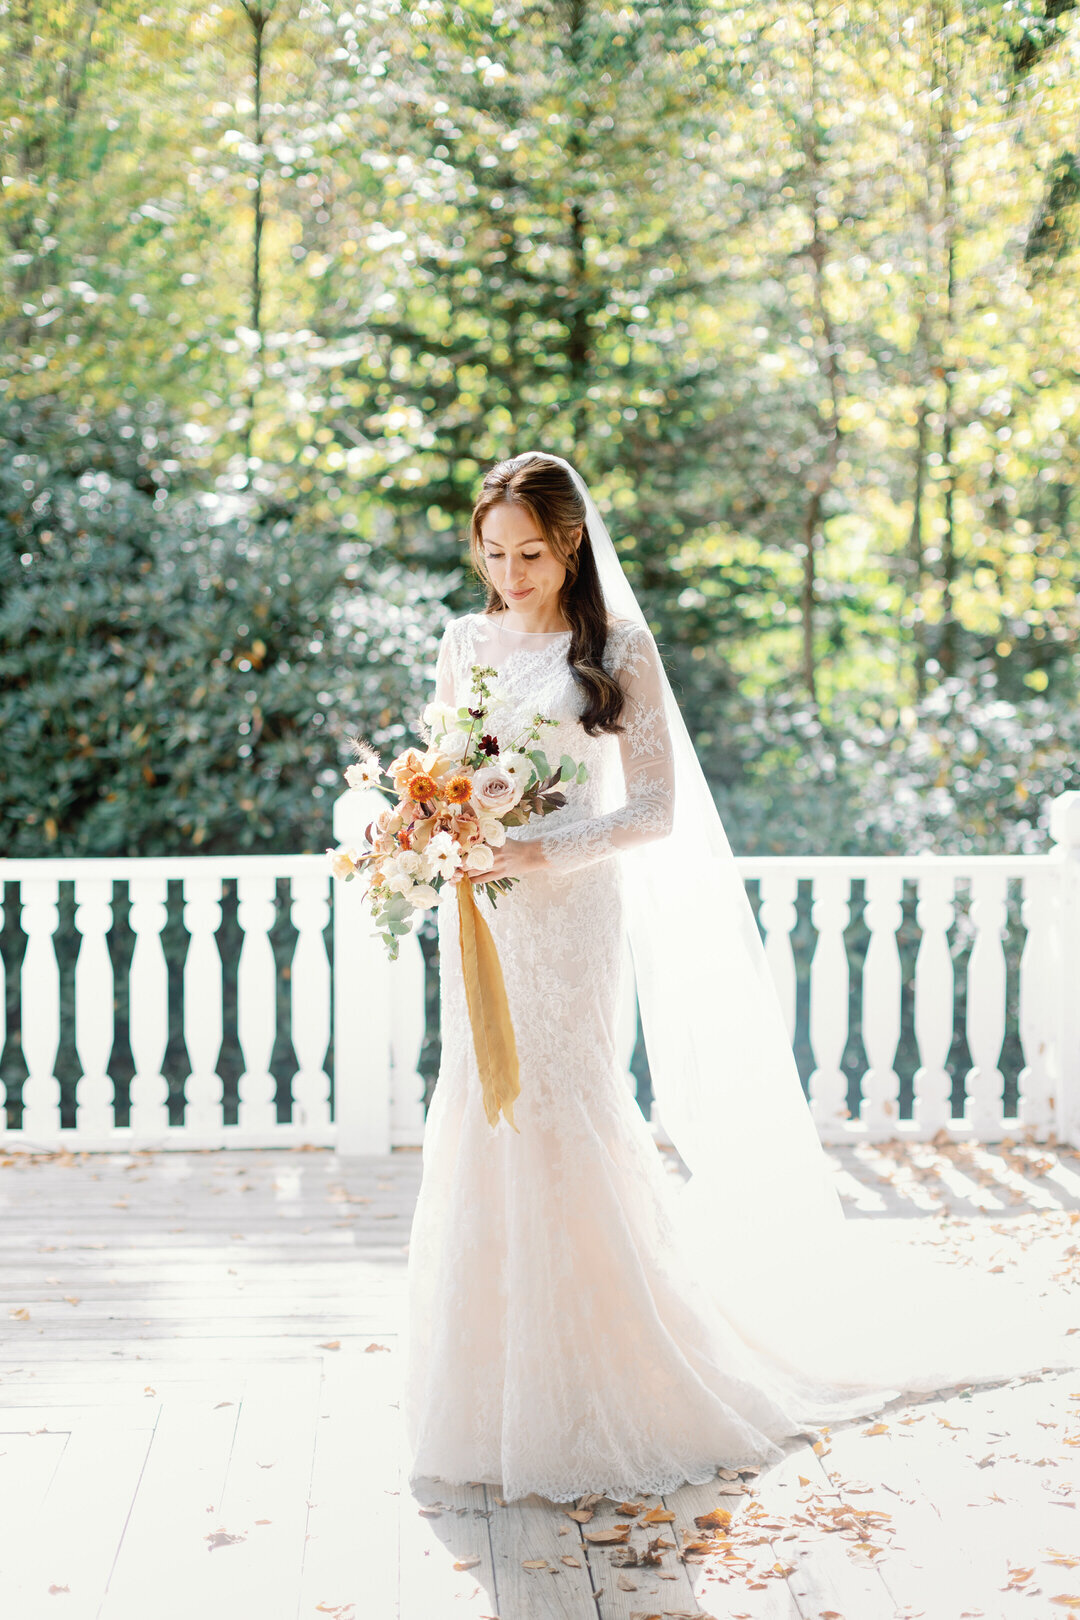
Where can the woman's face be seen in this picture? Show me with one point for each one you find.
(520, 563)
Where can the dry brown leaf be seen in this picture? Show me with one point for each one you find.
(575, 1563)
(718, 1519)
(368, 1348)
(625, 1584)
(590, 1500)
(332, 1344)
(467, 1563)
(54, 1589)
(730, 1488)
(617, 1533)
(534, 1563)
(658, 1515)
(727, 1473)
(430, 1512)
(803, 1480)
(222, 1538)
(630, 1508)
(20, 1314)
(580, 1515)
(877, 1428)
(1065, 1601)
(264, 1521)
(71, 1299)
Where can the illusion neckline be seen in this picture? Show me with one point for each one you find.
(508, 630)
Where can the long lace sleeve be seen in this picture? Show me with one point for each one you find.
(648, 767)
(444, 666)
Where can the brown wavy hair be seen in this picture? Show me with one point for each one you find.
(548, 493)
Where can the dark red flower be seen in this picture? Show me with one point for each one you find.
(489, 745)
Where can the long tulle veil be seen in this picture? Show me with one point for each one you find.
(834, 1306)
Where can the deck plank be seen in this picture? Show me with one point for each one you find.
(523, 1533)
(80, 1523)
(454, 1531)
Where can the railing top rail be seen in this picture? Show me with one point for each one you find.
(168, 866)
(857, 865)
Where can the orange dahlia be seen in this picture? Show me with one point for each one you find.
(458, 790)
(421, 788)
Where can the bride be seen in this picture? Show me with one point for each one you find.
(578, 1322)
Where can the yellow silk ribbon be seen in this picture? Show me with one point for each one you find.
(489, 1011)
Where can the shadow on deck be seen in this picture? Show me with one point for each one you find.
(200, 1385)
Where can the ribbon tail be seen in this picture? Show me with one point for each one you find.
(489, 1010)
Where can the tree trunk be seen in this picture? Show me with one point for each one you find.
(258, 17)
(916, 558)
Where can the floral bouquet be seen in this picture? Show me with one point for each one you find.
(454, 802)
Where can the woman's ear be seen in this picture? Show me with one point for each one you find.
(579, 537)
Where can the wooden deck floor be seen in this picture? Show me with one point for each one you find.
(199, 1381)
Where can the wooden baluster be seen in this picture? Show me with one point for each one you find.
(148, 1003)
(362, 1021)
(779, 891)
(407, 1023)
(829, 1005)
(310, 984)
(40, 1011)
(983, 1107)
(256, 995)
(1035, 1102)
(203, 1089)
(934, 1004)
(880, 1110)
(94, 1112)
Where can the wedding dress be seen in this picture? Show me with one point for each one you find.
(577, 1322)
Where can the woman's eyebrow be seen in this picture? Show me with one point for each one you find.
(534, 540)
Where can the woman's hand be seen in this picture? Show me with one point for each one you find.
(516, 857)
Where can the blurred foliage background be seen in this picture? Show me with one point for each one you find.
(794, 285)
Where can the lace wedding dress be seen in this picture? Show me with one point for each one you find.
(559, 1340)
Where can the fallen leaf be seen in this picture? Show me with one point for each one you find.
(467, 1563)
(430, 1513)
(607, 1537)
(331, 1344)
(575, 1563)
(368, 1348)
(718, 1519)
(71, 1299)
(20, 1314)
(55, 1589)
(222, 1538)
(630, 1508)
(534, 1563)
(581, 1515)
(1066, 1602)
(264, 1521)
(625, 1584)
(876, 1428)
(658, 1515)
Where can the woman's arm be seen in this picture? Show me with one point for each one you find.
(648, 769)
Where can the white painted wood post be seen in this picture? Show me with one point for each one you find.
(256, 997)
(40, 1010)
(148, 1007)
(310, 999)
(880, 1111)
(985, 1083)
(934, 1006)
(94, 1112)
(779, 891)
(363, 1004)
(829, 1002)
(203, 1090)
(1038, 970)
(1065, 831)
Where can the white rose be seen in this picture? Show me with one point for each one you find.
(395, 877)
(495, 791)
(422, 896)
(492, 831)
(454, 744)
(479, 859)
(411, 861)
(440, 717)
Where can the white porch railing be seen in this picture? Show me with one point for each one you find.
(923, 993)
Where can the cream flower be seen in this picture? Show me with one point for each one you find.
(453, 744)
(520, 766)
(422, 896)
(343, 862)
(480, 859)
(495, 791)
(442, 856)
(440, 718)
(396, 878)
(492, 831)
(366, 773)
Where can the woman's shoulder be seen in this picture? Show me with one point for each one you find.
(628, 643)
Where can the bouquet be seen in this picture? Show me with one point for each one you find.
(454, 801)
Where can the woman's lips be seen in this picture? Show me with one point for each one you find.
(517, 595)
